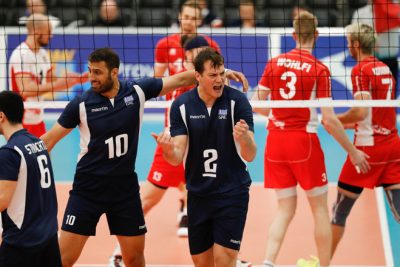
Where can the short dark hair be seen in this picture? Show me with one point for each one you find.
(109, 56)
(205, 55)
(12, 105)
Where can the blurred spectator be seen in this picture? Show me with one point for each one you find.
(247, 14)
(110, 15)
(387, 47)
(38, 7)
(209, 18)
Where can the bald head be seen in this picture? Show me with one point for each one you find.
(39, 29)
(37, 23)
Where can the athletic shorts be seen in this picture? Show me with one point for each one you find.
(124, 217)
(384, 160)
(219, 220)
(163, 174)
(36, 129)
(293, 157)
(45, 255)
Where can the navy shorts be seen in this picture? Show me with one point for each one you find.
(124, 216)
(45, 255)
(219, 220)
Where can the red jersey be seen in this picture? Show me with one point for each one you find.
(374, 77)
(169, 51)
(296, 75)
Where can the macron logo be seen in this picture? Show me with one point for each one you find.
(99, 109)
(195, 117)
(141, 227)
(235, 241)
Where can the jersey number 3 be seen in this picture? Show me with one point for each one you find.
(291, 79)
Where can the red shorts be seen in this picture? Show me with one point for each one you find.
(385, 166)
(36, 129)
(164, 174)
(293, 157)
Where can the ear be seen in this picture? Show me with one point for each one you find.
(114, 72)
(316, 34)
(294, 35)
(2, 116)
(197, 75)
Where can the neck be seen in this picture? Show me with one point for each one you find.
(306, 46)
(207, 99)
(30, 41)
(362, 56)
(10, 129)
(114, 91)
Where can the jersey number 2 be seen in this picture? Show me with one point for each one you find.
(210, 165)
(45, 176)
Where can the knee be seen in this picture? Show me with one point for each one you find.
(134, 260)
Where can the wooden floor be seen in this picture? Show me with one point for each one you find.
(362, 244)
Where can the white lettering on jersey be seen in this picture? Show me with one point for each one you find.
(99, 109)
(294, 64)
(35, 147)
(381, 70)
(197, 117)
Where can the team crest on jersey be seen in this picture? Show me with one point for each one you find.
(222, 113)
(128, 100)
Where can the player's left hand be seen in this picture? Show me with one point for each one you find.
(165, 140)
(238, 77)
(240, 130)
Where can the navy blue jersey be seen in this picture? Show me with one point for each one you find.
(109, 130)
(212, 164)
(31, 217)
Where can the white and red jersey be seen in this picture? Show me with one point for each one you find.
(374, 77)
(170, 51)
(296, 75)
(23, 60)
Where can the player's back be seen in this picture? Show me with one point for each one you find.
(296, 75)
(374, 77)
(31, 217)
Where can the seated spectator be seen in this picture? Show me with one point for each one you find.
(38, 7)
(110, 15)
(247, 14)
(208, 16)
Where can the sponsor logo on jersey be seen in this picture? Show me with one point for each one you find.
(99, 109)
(222, 113)
(128, 100)
(196, 117)
(172, 51)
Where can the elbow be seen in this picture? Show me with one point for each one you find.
(361, 114)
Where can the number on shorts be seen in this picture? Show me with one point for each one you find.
(45, 175)
(290, 84)
(70, 220)
(119, 147)
(210, 164)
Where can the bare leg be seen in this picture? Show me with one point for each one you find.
(224, 257)
(278, 228)
(71, 246)
(205, 259)
(132, 248)
(150, 196)
(322, 227)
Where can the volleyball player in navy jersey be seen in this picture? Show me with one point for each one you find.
(28, 201)
(109, 117)
(212, 128)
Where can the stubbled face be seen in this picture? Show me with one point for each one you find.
(100, 77)
(43, 33)
(190, 19)
(212, 80)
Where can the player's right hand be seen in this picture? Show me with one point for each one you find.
(359, 160)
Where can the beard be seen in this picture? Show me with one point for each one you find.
(105, 87)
